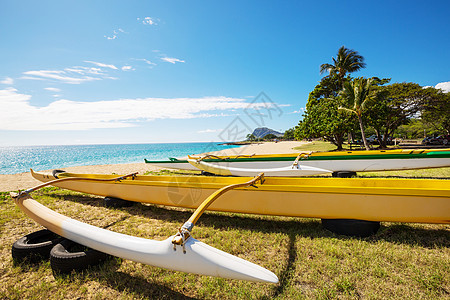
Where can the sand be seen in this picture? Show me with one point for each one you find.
(23, 181)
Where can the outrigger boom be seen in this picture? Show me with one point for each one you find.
(196, 257)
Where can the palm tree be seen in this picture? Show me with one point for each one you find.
(251, 137)
(356, 95)
(347, 61)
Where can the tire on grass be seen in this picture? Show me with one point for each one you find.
(344, 174)
(68, 256)
(351, 227)
(204, 173)
(117, 202)
(35, 246)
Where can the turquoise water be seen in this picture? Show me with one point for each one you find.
(20, 159)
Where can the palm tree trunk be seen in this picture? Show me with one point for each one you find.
(366, 145)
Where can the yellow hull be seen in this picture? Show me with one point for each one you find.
(393, 200)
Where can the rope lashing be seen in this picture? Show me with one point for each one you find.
(185, 231)
(300, 156)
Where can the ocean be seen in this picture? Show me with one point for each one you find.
(15, 160)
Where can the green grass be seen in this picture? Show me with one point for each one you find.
(317, 146)
(402, 261)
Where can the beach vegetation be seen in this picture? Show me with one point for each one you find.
(289, 135)
(251, 137)
(356, 95)
(322, 118)
(398, 104)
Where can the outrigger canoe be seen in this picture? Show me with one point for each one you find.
(180, 252)
(393, 200)
(280, 164)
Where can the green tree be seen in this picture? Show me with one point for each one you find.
(396, 104)
(322, 117)
(270, 136)
(346, 61)
(436, 110)
(251, 137)
(356, 95)
(289, 134)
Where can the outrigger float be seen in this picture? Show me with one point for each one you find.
(306, 164)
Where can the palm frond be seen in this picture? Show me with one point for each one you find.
(348, 110)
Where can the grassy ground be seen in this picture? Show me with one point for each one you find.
(401, 261)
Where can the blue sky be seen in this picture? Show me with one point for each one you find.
(89, 72)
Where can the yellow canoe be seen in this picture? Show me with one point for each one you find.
(394, 200)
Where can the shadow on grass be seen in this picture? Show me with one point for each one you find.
(124, 282)
(108, 274)
(286, 275)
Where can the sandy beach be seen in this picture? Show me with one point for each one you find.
(22, 181)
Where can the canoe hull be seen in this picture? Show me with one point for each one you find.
(288, 171)
(395, 200)
(352, 161)
(198, 258)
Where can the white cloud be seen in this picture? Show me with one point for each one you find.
(209, 130)
(52, 89)
(172, 60)
(116, 32)
(146, 61)
(7, 80)
(444, 86)
(56, 75)
(127, 68)
(17, 113)
(102, 65)
(148, 21)
(300, 111)
(73, 75)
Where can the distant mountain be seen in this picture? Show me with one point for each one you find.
(261, 132)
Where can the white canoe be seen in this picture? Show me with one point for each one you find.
(172, 163)
(287, 171)
(350, 161)
(199, 258)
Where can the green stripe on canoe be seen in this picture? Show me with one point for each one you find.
(435, 154)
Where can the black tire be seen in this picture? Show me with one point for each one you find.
(117, 203)
(68, 256)
(56, 172)
(204, 173)
(35, 246)
(350, 227)
(344, 174)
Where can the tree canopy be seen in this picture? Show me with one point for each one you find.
(373, 104)
(322, 117)
(346, 61)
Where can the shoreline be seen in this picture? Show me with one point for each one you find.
(14, 182)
